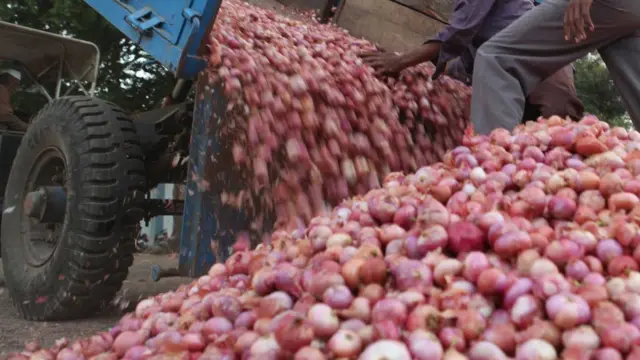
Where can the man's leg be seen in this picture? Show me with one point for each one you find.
(622, 59)
(531, 49)
(557, 95)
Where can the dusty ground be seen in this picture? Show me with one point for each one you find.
(14, 330)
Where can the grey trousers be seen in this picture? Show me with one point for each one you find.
(509, 66)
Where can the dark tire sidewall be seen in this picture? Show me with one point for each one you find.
(37, 286)
(104, 174)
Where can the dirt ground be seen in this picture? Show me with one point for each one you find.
(14, 331)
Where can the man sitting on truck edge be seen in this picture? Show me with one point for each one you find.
(453, 50)
(9, 83)
(554, 34)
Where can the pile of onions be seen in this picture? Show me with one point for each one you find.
(310, 124)
(519, 245)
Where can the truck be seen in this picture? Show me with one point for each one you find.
(82, 173)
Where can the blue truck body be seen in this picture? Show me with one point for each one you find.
(174, 33)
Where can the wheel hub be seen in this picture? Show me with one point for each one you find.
(44, 207)
(46, 204)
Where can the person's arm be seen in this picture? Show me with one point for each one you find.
(465, 20)
(427, 52)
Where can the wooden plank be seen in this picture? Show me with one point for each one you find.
(439, 10)
(390, 25)
(440, 7)
(305, 4)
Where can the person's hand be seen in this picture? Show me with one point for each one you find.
(577, 19)
(384, 63)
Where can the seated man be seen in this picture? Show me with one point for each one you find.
(453, 50)
(9, 83)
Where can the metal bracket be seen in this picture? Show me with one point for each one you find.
(144, 20)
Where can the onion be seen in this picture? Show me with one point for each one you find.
(345, 343)
(424, 345)
(568, 310)
(452, 338)
(620, 336)
(471, 323)
(474, 264)
(323, 320)
(126, 340)
(536, 349)
(338, 297)
(412, 274)
(465, 237)
(294, 333)
(492, 281)
(386, 349)
(584, 337)
(525, 309)
(309, 353)
(484, 350)
(502, 335)
(389, 309)
(374, 270)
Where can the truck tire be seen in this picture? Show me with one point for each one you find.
(70, 263)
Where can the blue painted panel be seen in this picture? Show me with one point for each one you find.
(209, 228)
(177, 42)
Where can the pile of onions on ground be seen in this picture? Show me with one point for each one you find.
(311, 125)
(520, 245)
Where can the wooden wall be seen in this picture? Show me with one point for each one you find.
(390, 25)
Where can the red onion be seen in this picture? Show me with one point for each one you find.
(386, 349)
(549, 285)
(374, 270)
(309, 353)
(567, 310)
(431, 238)
(424, 345)
(541, 329)
(452, 337)
(492, 281)
(338, 297)
(345, 343)
(484, 350)
(294, 333)
(274, 304)
(474, 264)
(536, 349)
(126, 340)
(608, 249)
(583, 336)
(525, 309)
(412, 274)
(519, 287)
(620, 336)
(465, 237)
(323, 320)
(389, 309)
(607, 354)
(472, 324)
(502, 335)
